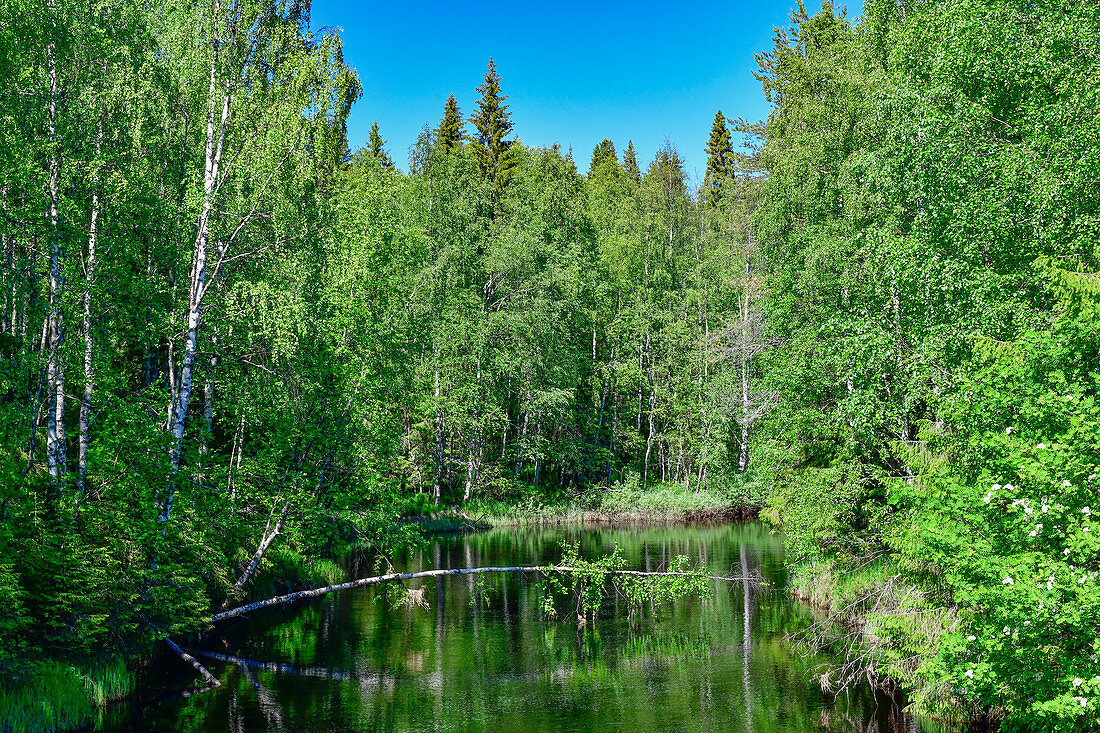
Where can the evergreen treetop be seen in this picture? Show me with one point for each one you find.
(719, 160)
(603, 155)
(492, 127)
(450, 133)
(377, 147)
(630, 163)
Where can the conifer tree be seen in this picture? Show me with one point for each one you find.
(630, 163)
(719, 160)
(492, 126)
(377, 147)
(603, 155)
(450, 133)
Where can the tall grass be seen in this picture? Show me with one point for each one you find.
(626, 502)
(55, 696)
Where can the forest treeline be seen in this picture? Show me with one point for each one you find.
(230, 345)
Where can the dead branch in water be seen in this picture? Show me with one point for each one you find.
(193, 662)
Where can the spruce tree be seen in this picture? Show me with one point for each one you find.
(630, 163)
(377, 147)
(450, 133)
(719, 160)
(603, 155)
(492, 126)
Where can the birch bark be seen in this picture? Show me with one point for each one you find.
(55, 369)
(89, 281)
(198, 278)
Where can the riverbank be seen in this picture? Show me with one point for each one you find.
(51, 696)
(666, 504)
(885, 631)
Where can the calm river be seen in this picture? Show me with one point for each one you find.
(482, 658)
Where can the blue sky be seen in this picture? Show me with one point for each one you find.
(574, 72)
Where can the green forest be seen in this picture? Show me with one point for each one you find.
(232, 349)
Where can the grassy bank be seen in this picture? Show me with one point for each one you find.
(54, 696)
(50, 696)
(883, 630)
(626, 504)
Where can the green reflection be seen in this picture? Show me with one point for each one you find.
(358, 663)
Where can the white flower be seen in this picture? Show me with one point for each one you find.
(1085, 529)
(1041, 446)
(1082, 579)
(969, 673)
(1066, 483)
(996, 487)
(1081, 700)
(1046, 508)
(1006, 630)
(988, 498)
(1086, 511)
(1009, 487)
(1008, 431)
(1092, 477)
(971, 638)
(1066, 552)
(1028, 510)
(1077, 682)
(1007, 581)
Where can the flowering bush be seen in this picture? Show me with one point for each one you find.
(1004, 531)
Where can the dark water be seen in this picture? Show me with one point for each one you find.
(482, 657)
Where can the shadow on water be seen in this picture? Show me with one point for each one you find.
(481, 656)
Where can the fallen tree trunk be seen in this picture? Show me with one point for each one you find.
(194, 663)
(379, 579)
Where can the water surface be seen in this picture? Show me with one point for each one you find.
(482, 657)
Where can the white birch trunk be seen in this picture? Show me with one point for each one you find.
(269, 535)
(198, 282)
(89, 372)
(235, 455)
(55, 435)
(437, 487)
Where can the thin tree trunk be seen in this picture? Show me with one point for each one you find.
(538, 454)
(437, 488)
(746, 406)
(269, 535)
(208, 402)
(652, 409)
(198, 280)
(519, 442)
(55, 369)
(7, 247)
(36, 403)
(89, 372)
(235, 455)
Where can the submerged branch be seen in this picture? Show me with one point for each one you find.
(194, 663)
(379, 579)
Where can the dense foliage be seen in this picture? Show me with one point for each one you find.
(928, 226)
(228, 343)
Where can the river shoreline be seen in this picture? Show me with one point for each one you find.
(70, 711)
